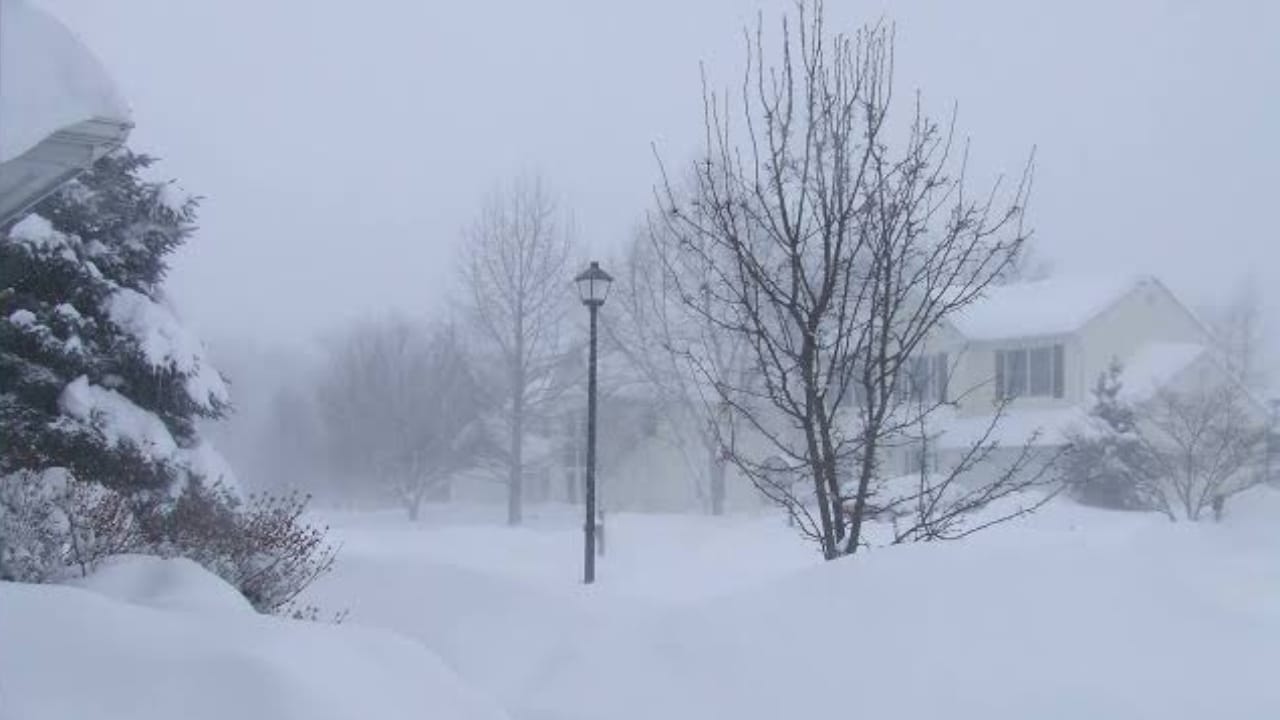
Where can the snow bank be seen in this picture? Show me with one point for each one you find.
(164, 583)
(1073, 613)
(68, 652)
(48, 80)
(1171, 622)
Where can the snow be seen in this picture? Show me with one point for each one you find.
(120, 420)
(1072, 613)
(166, 343)
(68, 311)
(68, 652)
(165, 584)
(1154, 366)
(206, 462)
(36, 232)
(117, 417)
(48, 80)
(1055, 306)
(22, 318)
(1040, 427)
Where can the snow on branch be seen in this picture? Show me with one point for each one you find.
(166, 344)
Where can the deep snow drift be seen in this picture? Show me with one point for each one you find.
(149, 639)
(1073, 613)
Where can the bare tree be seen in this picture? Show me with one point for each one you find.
(650, 327)
(399, 403)
(516, 268)
(1207, 444)
(1239, 326)
(1182, 452)
(835, 258)
(1028, 265)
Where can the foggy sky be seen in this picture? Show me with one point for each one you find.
(342, 146)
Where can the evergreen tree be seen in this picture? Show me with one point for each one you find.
(100, 391)
(96, 374)
(1109, 466)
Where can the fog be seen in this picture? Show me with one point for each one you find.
(341, 149)
(975, 419)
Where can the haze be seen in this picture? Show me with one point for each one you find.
(341, 147)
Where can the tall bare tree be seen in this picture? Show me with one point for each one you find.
(650, 327)
(834, 248)
(1240, 328)
(517, 274)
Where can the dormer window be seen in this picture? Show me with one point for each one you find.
(1036, 371)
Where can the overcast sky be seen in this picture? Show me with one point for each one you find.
(341, 146)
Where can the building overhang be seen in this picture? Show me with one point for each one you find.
(28, 178)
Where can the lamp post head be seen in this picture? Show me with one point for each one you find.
(593, 285)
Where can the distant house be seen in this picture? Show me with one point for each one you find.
(1042, 346)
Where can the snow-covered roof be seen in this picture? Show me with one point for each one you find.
(1054, 306)
(1154, 366)
(1018, 427)
(49, 81)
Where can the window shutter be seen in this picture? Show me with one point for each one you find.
(941, 370)
(999, 375)
(1059, 372)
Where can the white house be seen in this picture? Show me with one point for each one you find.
(1043, 345)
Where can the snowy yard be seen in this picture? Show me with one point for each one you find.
(817, 311)
(1073, 613)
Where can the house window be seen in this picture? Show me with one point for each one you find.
(1030, 372)
(921, 461)
(926, 380)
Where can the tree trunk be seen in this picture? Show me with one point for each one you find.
(716, 468)
(571, 481)
(515, 480)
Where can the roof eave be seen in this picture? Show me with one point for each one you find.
(30, 177)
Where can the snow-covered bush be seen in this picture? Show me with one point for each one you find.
(101, 389)
(1182, 452)
(54, 525)
(1107, 465)
(260, 545)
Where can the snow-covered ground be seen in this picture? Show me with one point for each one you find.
(1073, 613)
(151, 639)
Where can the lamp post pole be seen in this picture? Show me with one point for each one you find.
(589, 548)
(593, 286)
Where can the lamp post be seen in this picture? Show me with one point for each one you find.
(593, 287)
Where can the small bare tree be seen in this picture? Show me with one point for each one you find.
(399, 403)
(834, 258)
(1240, 329)
(1207, 443)
(1183, 451)
(517, 274)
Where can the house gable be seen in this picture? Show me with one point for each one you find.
(1148, 314)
